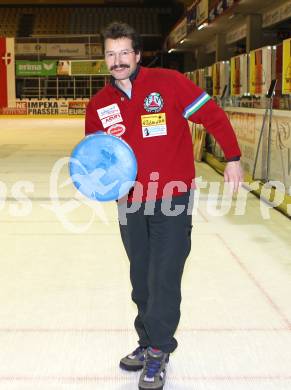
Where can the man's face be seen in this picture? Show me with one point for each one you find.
(120, 57)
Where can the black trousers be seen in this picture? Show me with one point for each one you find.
(157, 246)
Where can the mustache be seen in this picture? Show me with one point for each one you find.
(113, 67)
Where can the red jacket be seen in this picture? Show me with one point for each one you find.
(155, 124)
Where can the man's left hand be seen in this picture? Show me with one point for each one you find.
(233, 174)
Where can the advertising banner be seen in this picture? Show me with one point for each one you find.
(176, 35)
(286, 79)
(278, 75)
(189, 75)
(198, 139)
(191, 17)
(260, 70)
(13, 111)
(239, 75)
(235, 76)
(42, 107)
(236, 34)
(208, 71)
(36, 68)
(62, 107)
(220, 74)
(59, 49)
(7, 72)
(277, 14)
(94, 49)
(217, 7)
(30, 48)
(247, 124)
(19, 109)
(201, 12)
(65, 50)
(216, 79)
(46, 107)
(77, 107)
(201, 78)
(89, 67)
(196, 77)
(224, 75)
(207, 80)
(63, 68)
(212, 10)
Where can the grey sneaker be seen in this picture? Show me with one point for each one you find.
(153, 375)
(134, 361)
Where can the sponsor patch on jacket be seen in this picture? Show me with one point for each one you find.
(104, 112)
(118, 129)
(153, 102)
(153, 125)
(111, 120)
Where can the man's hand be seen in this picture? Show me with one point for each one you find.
(233, 174)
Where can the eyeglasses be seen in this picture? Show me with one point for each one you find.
(122, 54)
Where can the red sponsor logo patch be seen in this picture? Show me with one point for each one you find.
(118, 129)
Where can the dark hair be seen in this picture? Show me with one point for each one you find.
(117, 30)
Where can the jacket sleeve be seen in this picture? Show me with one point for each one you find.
(198, 107)
(92, 121)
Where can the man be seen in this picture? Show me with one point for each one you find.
(149, 109)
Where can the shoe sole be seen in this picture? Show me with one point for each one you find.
(146, 388)
(130, 368)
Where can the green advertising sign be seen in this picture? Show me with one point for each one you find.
(92, 67)
(36, 68)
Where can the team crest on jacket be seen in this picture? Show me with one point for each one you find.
(153, 102)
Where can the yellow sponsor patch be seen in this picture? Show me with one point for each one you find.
(153, 119)
(153, 125)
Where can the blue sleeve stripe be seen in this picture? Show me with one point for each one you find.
(196, 105)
